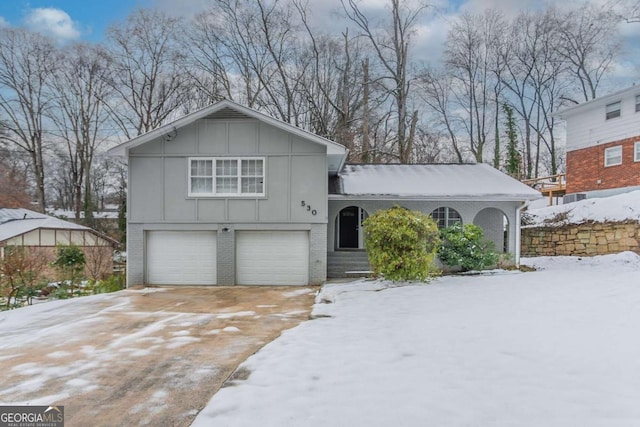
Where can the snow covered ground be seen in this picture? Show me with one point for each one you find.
(556, 347)
(621, 207)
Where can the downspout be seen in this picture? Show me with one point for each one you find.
(518, 238)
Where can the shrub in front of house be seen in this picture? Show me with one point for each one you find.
(463, 246)
(402, 244)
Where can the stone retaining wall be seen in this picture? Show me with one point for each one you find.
(581, 239)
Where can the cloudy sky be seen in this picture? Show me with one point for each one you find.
(69, 20)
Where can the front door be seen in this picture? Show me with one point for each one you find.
(349, 227)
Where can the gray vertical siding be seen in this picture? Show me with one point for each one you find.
(295, 191)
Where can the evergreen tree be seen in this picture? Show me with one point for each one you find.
(514, 159)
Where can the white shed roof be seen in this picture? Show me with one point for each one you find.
(433, 181)
(14, 222)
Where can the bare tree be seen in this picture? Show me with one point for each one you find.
(436, 91)
(472, 59)
(519, 57)
(590, 42)
(391, 44)
(147, 75)
(210, 63)
(14, 191)
(26, 64)
(628, 10)
(20, 270)
(81, 115)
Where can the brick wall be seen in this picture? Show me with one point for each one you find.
(318, 254)
(226, 262)
(581, 239)
(586, 166)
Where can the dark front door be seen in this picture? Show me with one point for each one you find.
(349, 223)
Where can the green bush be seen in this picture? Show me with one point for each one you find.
(401, 244)
(70, 262)
(113, 283)
(464, 247)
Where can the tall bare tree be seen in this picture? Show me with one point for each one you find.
(436, 90)
(14, 190)
(472, 59)
(26, 64)
(81, 116)
(391, 44)
(590, 43)
(147, 75)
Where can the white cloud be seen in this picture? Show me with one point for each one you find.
(3, 22)
(53, 22)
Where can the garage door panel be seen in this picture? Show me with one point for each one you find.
(181, 257)
(272, 257)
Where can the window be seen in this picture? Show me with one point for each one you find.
(229, 176)
(636, 152)
(637, 103)
(613, 110)
(613, 156)
(446, 217)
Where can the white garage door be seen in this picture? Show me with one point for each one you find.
(181, 257)
(272, 257)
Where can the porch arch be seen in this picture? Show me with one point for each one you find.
(495, 225)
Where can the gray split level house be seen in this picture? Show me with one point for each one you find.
(227, 195)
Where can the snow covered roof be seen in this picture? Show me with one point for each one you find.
(14, 222)
(433, 181)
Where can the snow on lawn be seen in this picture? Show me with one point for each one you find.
(556, 347)
(621, 207)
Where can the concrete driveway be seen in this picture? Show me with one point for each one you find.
(151, 356)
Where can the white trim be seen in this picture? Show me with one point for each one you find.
(636, 152)
(614, 108)
(517, 251)
(607, 162)
(213, 161)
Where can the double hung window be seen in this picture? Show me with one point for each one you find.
(226, 176)
(613, 110)
(613, 156)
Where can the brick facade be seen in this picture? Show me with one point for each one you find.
(586, 170)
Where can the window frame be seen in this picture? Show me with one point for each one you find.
(239, 176)
(637, 103)
(448, 219)
(636, 152)
(607, 162)
(613, 113)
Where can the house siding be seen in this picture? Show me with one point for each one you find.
(318, 254)
(295, 191)
(588, 127)
(468, 210)
(586, 170)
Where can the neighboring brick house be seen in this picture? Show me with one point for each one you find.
(603, 145)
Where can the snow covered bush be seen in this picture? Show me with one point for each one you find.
(401, 244)
(464, 246)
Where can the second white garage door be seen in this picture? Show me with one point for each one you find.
(181, 257)
(272, 257)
